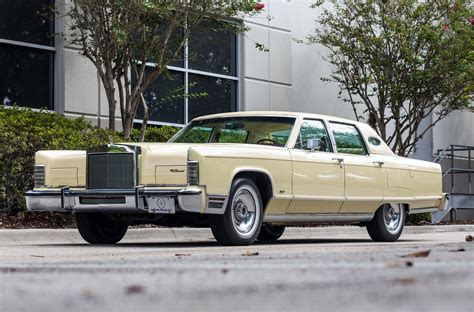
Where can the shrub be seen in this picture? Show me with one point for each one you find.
(420, 218)
(23, 132)
(155, 134)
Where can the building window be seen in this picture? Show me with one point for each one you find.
(209, 66)
(27, 53)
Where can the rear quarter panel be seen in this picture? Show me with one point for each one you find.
(416, 182)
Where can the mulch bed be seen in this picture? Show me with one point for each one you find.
(37, 220)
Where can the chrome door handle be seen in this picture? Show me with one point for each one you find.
(378, 162)
(339, 160)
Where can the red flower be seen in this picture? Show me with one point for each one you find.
(445, 27)
(259, 6)
(472, 21)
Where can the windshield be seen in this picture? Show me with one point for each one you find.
(250, 130)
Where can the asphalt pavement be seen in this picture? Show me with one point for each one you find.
(431, 268)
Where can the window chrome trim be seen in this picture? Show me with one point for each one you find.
(28, 45)
(59, 70)
(186, 81)
(160, 123)
(324, 124)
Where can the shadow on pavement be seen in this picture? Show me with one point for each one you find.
(200, 244)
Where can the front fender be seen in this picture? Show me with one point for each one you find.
(217, 171)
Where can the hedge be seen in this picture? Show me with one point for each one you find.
(23, 132)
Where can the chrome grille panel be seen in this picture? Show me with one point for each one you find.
(111, 171)
(39, 176)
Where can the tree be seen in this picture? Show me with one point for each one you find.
(399, 62)
(120, 36)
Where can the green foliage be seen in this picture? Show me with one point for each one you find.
(195, 134)
(400, 62)
(155, 134)
(419, 218)
(23, 132)
(233, 136)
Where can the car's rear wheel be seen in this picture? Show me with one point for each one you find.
(387, 224)
(270, 233)
(242, 220)
(97, 228)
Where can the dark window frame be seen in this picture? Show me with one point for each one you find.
(54, 65)
(187, 71)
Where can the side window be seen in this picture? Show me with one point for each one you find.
(374, 141)
(314, 129)
(348, 139)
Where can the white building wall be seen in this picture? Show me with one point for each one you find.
(267, 75)
(310, 94)
(457, 128)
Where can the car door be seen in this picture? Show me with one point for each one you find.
(365, 177)
(318, 176)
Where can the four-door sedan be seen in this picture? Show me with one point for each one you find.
(246, 175)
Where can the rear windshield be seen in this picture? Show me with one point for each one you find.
(249, 130)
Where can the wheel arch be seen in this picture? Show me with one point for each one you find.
(262, 178)
(405, 205)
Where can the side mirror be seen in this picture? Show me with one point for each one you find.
(313, 144)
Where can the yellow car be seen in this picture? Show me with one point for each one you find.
(246, 175)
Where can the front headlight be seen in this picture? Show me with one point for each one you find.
(193, 172)
(39, 176)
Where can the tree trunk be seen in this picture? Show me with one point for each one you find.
(110, 93)
(146, 116)
(127, 126)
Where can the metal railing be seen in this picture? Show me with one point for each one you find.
(453, 153)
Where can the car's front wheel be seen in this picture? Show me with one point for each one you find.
(241, 222)
(97, 228)
(387, 224)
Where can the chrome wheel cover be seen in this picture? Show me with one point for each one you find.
(393, 217)
(245, 211)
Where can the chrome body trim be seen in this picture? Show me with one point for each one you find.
(318, 218)
(68, 200)
(428, 197)
(423, 210)
(223, 199)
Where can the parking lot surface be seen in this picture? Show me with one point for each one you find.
(431, 268)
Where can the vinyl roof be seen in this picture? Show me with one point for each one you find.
(275, 114)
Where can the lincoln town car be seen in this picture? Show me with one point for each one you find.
(246, 175)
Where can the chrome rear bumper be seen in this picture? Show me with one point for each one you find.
(66, 200)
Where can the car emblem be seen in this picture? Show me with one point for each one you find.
(176, 170)
(161, 203)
